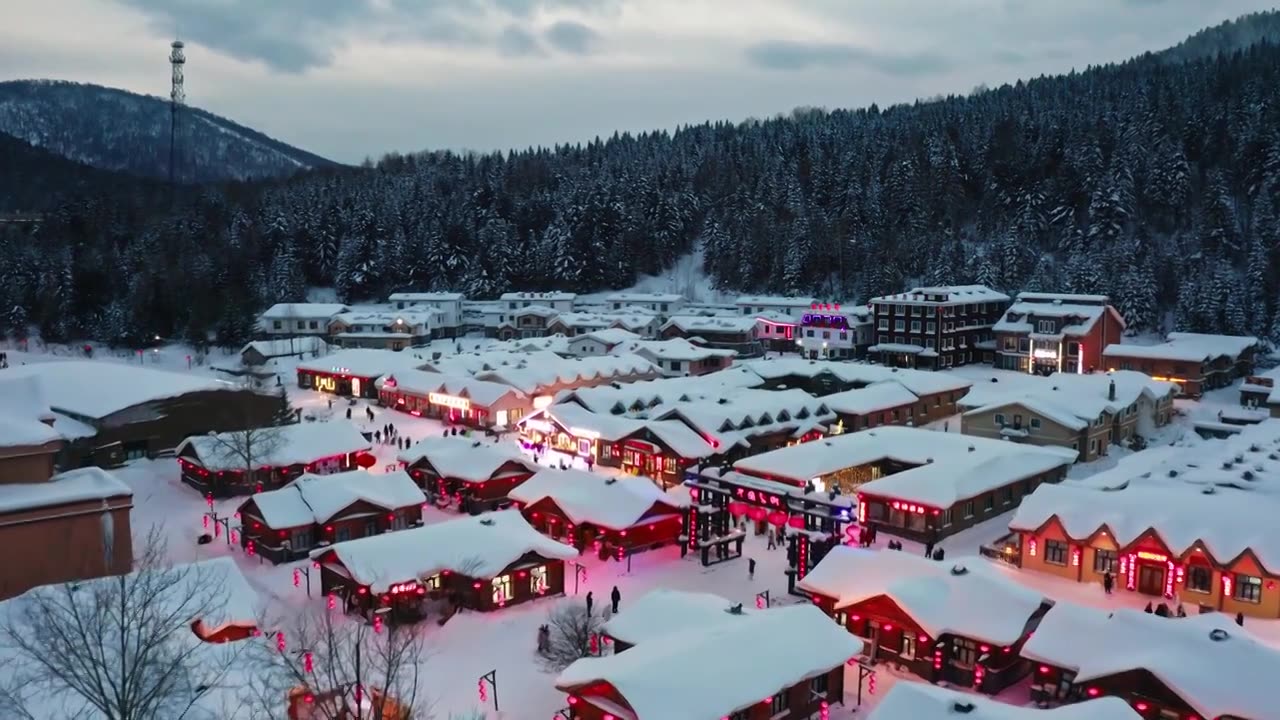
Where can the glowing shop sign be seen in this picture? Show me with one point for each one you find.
(1044, 354)
(325, 383)
(1153, 557)
(819, 320)
(449, 401)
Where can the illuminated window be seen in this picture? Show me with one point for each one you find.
(1199, 579)
(965, 653)
(908, 651)
(1104, 561)
(1248, 588)
(538, 580)
(502, 589)
(1055, 552)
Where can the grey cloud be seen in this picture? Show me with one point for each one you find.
(788, 55)
(297, 35)
(516, 41)
(1008, 57)
(572, 37)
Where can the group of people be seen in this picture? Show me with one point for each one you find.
(390, 435)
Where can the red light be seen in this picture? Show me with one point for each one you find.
(573, 700)
(476, 585)
(1093, 692)
(1141, 706)
(924, 638)
(391, 517)
(1044, 669)
(328, 528)
(984, 648)
(362, 590)
(888, 627)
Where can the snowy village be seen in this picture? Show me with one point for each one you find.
(636, 507)
(639, 360)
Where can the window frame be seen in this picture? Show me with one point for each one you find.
(1055, 549)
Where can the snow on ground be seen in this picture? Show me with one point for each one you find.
(472, 644)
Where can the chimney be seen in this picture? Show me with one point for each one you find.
(1111, 391)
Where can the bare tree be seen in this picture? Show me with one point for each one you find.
(570, 629)
(119, 648)
(338, 667)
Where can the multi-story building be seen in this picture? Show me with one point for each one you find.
(755, 305)
(829, 331)
(447, 304)
(558, 301)
(1195, 362)
(291, 319)
(936, 327)
(383, 330)
(1048, 332)
(661, 303)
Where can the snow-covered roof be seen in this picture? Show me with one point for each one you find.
(481, 546)
(677, 436)
(615, 503)
(713, 672)
(639, 297)
(421, 382)
(608, 336)
(677, 348)
(535, 378)
(303, 311)
(736, 416)
(1214, 665)
(917, 701)
(669, 612)
(297, 444)
(281, 347)
(25, 413)
(966, 596)
(950, 466)
(1082, 396)
(365, 363)
(1071, 412)
(97, 388)
(584, 320)
(74, 486)
(775, 301)
(1042, 297)
(1020, 317)
(1226, 522)
(872, 398)
(425, 297)
(548, 296)
(539, 310)
(1186, 347)
(619, 398)
(920, 382)
(465, 458)
(712, 324)
(953, 294)
(317, 498)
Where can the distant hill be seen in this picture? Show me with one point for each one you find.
(119, 130)
(1228, 37)
(33, 179)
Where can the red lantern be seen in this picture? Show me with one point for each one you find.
(777, 517)
(366, 460)
(796, 521)
(757, 513)
(737, 507)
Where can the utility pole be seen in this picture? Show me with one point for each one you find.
(177, 100)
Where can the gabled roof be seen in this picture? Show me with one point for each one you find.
(97, 388)
(465, 458)
(1018, 318)
(615, 503)
(716, 671)
(318, 498)
(668, 612)
(635, 297)
(954, 294)
(421, 382)
(426, 296)
(1187, 347)
(711, 324)
(677, 348)
(1067, 417)
(872, 398)
(1214, 665)
(547, 296)
(920, 382)
(966, 597)
(775, 301)
(481, 547)
(281, 347)
(608, 335)
(620, 398)
(917, 701)
(303, 311)
(365, 363)
(298, 444)
(74, 486)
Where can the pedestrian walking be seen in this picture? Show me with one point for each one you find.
(348, 413)
(928, 549)
(1108, 583)
(751, 568)
(772, 544)
(1240, 619)
(590, 601)
(377, 436)
(330, 403)
(616, 597)
(1149, 610)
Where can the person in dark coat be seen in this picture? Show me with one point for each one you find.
(1162, 610)
(1108, 583)
(1149, 610)
(939, 554)
(348, 413)
(616, 597)
(928, 549)
(590, 601)
(1240, 619)
(751, 568)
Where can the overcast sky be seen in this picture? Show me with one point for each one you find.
(351, 78)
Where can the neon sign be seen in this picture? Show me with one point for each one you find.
(325, 383)
(819, 320)
(1153, 557)
(1044, 354)
(449, 401)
